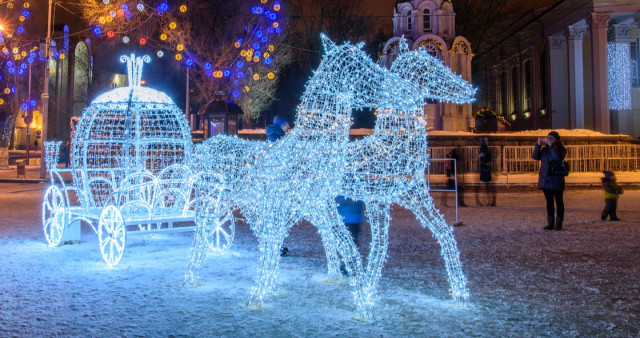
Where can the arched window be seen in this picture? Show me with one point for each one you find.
(408, 20)
(426, 20)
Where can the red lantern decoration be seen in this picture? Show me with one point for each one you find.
(110, 34)
(143, 41)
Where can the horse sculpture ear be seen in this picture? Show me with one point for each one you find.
(403, 46)
(360, 44)
(327, 43)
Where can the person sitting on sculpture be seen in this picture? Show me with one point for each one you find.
(278, 129)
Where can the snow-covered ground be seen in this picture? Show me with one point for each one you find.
(523, 281)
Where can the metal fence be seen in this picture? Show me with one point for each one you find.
(517, 159)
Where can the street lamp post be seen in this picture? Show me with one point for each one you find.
(45, 94)
(29, 117)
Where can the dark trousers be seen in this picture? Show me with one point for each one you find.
(550, 195)
(611, 205)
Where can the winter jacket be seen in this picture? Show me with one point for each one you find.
(274, 132)
(545, 179)
(611, 188)
(352, 211)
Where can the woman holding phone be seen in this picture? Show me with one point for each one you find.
(550, 149)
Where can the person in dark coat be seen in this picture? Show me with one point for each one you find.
(546, 150)
(611, 193)
(277, 130)
(458, 155)
(352, 212)
(485, 173)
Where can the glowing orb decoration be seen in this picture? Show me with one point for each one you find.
(123, 131)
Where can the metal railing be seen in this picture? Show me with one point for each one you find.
(517, 159)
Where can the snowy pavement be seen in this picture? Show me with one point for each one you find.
(523, 281)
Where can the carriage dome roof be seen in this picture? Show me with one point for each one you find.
(134, 95)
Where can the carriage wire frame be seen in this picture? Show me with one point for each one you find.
(129, 167)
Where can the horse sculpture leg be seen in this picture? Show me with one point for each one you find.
(198, 253)
(339, 242)
(331, 252)
(378, 216)
(270, 240)
(421, 204)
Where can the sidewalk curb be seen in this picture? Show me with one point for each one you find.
(23, 180)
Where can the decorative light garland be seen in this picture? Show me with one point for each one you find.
(487, 112)
(14, 60)
(619, 61)
(252, 48)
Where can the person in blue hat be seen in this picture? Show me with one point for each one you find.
(278, 129)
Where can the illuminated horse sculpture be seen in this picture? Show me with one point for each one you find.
(278, 184)
(388, 167)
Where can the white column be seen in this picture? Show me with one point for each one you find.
(534, 86)
(576, 79)
(557, 95)
(601, 116)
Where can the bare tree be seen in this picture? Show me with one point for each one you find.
(18, 53)
(482, 21)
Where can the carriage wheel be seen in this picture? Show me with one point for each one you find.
(220, 229)
(112, 235)
(54, 216)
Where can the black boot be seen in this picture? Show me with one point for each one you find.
(558, 223)
(614, 216)
(550, 224)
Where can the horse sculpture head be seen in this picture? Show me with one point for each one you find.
(433, 80)
(348, 78)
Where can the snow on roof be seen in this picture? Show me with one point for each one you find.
(538, 132)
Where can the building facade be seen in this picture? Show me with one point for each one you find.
(430, 24)
(573, 65)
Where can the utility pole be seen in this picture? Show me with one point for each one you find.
(45, 94)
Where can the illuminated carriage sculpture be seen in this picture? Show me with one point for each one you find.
(129, 160)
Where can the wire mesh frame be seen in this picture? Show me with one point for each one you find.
(51, 154)
(114, 140)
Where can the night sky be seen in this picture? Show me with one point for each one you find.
(384, 8)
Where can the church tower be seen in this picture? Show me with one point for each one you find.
(430, 24)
